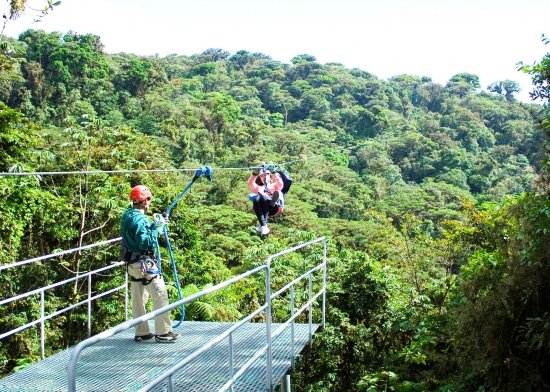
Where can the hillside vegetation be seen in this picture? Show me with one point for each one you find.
(438, 231)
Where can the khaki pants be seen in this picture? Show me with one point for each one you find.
(140, 294)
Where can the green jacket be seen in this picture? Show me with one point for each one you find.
(138, 234)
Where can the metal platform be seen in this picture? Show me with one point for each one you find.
(210, 356)
(120, 364)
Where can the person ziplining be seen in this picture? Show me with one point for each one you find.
(269, 184)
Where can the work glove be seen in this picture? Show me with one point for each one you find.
(272, 167)
(159, 223)
(257, 170)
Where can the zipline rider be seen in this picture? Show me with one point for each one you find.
(139, 241)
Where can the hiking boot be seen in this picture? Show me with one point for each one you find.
(167, 337)
(264, 230)
(143, 338)
(258, 228)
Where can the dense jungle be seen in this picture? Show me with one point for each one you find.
(433, 198)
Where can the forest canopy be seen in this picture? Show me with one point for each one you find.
(432, 197)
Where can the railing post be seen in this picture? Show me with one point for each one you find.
(324, 302)
(269, 355)
(310, 321)
(89, 305)
(292, 362)
(42, 338)
(170, 384)
(231, 358)
(285, 383)
(126, 296)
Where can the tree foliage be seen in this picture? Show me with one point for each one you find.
(425, 192)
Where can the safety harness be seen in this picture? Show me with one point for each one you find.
(148, 264)
(265, 172)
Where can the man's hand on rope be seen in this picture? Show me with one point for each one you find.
(159, 222)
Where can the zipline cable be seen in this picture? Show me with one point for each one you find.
(90, 172)
(94, 172)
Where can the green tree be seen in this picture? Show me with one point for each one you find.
(462, 84)
(506, 87)
(540, 75)
(15, 139)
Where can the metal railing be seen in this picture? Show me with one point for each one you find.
(42, 290)
(57, 254)
(233, 375)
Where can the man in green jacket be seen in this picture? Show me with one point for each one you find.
(139, 241)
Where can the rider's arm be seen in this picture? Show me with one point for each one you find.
(277, 183)
(254, 188)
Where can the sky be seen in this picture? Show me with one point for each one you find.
(434, 38)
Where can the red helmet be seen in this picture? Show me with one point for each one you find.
(140, 193)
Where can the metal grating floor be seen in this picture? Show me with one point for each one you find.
(120, 364)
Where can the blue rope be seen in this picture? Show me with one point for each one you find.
(176, 279)
(207, 172)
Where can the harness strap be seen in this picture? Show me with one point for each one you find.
(140, 257)
(134, 258)
(144, 281)
(131, 257)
